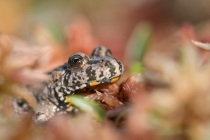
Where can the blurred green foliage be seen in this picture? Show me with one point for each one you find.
(140, 42)
(88, 106)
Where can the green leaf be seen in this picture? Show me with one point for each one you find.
(136, 67)
(57, 31)
(139, 44)
(88, 106)
(142, 38)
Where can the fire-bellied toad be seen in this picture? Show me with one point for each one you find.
(78, 74)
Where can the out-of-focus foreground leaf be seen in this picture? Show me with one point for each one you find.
(88, 106)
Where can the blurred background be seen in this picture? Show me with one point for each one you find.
(109, 23)
(168, 98)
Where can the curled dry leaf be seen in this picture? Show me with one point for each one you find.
(131, 88)
(111, 89)
(109, 100)
(105, 95)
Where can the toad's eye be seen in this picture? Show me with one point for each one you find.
(78, 60)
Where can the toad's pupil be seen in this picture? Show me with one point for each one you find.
(77, 60)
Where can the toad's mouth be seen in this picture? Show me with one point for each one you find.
(95, 83)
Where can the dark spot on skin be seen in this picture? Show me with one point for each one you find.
(69, 90)
(91, 74)
(63, 104)
(120, 66)
(65, 82)
(79, 77)
(92, 78)
(61, 89)
(74, 79)
(56, 94)
(112, 71)
(108, 64)
(101, 74)
(111, 68)
(74, 82)
(88, 70)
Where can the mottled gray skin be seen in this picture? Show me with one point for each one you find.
(78, 74)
